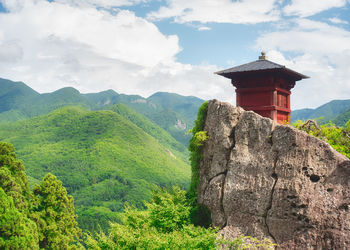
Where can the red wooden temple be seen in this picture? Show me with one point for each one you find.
(264, 87)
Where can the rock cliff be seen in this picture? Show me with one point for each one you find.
(273, 181)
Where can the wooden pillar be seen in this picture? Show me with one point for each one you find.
(238, 98)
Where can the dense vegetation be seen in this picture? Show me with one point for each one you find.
(337, 137)
(164, 225)
(44, 218)
(151, 128)
(342, 119)
(102, 158)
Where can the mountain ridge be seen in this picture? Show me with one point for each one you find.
(328, 111)
(156, 107)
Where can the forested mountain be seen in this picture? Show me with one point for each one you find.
(342, 119)
(104, 158)
(328, 111)
(172, 112)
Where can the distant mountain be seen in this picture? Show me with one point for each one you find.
(18, 101)
(172, 112)
(186, 106)
(328, 111)
(342, 119)
(14, 97)
(104, 158)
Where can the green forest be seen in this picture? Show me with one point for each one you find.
(102, 158)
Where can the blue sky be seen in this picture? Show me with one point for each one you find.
(145, 46)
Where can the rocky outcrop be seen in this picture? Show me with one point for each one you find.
(273, 181)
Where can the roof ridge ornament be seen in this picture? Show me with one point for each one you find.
(263, 56)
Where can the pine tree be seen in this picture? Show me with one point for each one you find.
(53, 211)
(13, 179)
(17, 231)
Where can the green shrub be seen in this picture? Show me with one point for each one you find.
(200, 215)
(165, 225)
(337, 137)
(196, 142)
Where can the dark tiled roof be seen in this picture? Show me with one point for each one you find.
(258, 65)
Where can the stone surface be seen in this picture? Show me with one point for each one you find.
(273, 181)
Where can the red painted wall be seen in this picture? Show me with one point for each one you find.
(267, 95)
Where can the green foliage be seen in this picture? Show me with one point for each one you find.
(53, 212)
(246, 242)
(13, 179)
(169, 211)
(200, 215)
(96, 218)
(17, 231)
(28, 220)
(103, 159)
(198, 137)
(152, 129)
(342, 119)
(165, 225)
(337, 137)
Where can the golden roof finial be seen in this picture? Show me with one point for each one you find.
(263, 56)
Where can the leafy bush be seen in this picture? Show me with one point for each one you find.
(198, 136)
(200, 215)
(165, 225)
(337, 137)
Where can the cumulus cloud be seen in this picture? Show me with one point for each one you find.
(220, 11)
(336, 20)
(311, 7)
(49, 45)
(100, 3)
(318, 50)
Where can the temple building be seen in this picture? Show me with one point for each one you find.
(264, 87)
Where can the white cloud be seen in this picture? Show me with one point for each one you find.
(220, 11)
(10, 52)
(52, 45)
(306, 8)
(100, 3)
(320, 51)
(337, 20)
(202, 28)
(16, 5)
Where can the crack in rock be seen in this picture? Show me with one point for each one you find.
(275, 177)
